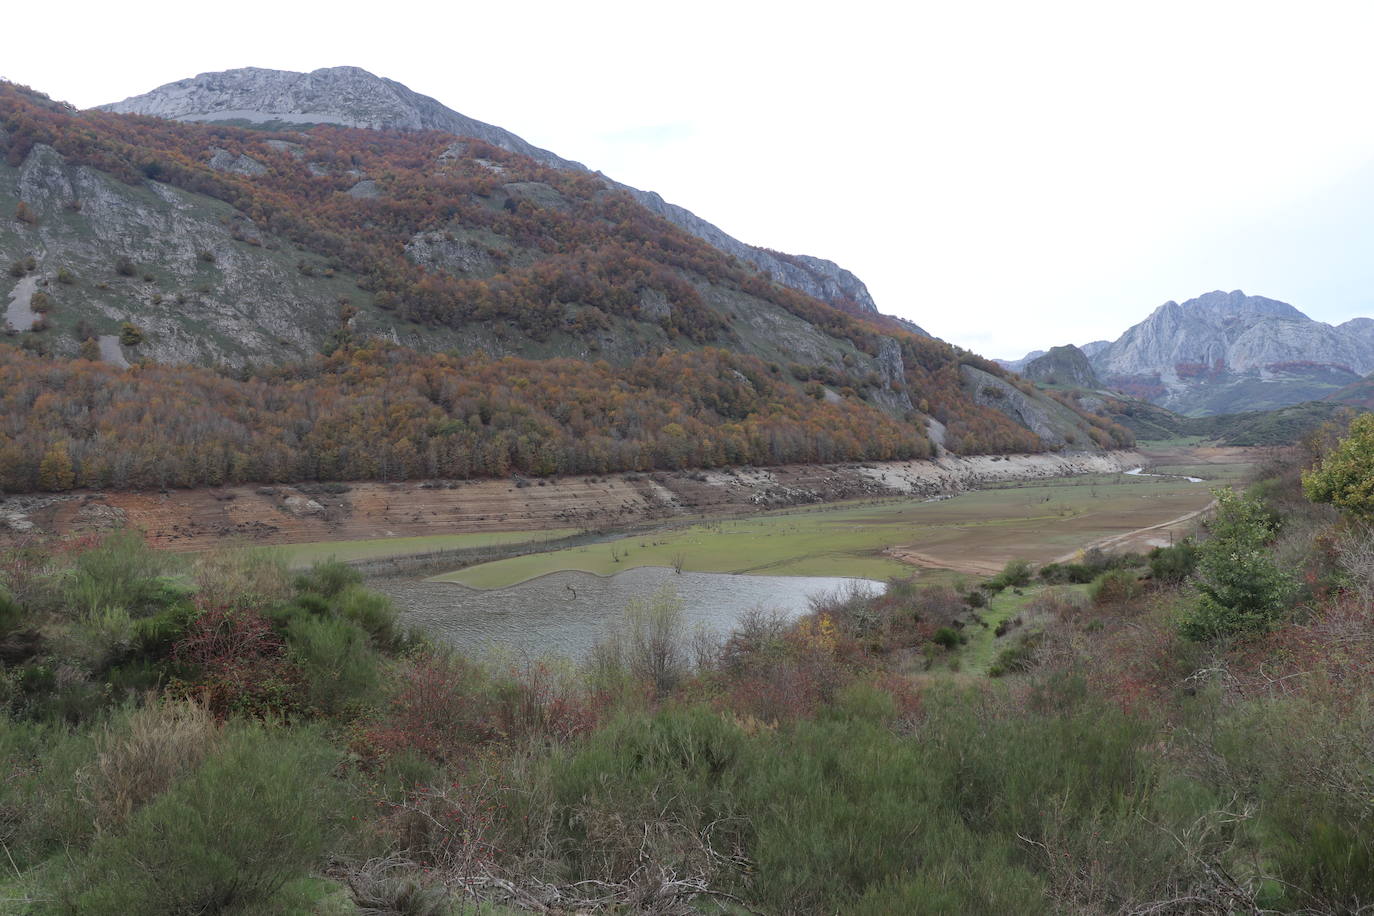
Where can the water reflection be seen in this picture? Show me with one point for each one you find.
(565, 613)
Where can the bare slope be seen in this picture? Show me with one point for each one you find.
(199, 519)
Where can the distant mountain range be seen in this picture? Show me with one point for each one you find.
(353, 97)
(1228, 353)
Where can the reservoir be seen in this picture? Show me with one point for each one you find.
(565, 613)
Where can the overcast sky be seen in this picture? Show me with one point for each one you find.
(1009, 175)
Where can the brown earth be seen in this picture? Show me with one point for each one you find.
(198, 519)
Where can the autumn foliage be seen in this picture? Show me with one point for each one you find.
(562, 252)
(392, 414)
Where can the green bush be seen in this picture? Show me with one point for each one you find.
(123, 572)
(39, 811)
(328, 578)
(1345, 477)
(946, 637)
(1309, 763)
(337, 660)
(11, 613)
(225, 839)
(1240, 587)
(1016, 574)
(1015, 658)
(1068, 573)
(1115, 587)
(372, 611)
(1174, 564)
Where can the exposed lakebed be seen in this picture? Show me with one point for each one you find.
(565, 613)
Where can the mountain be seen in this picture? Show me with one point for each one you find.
(353, 97)
(348, 303)
(1228, 353)
(1358, 394)
(1064, 366)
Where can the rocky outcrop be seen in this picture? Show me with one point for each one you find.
(354, 97)
(893, 396)
(221, 160)
(1062, 366)
(45, 181)
(218, 295)
(1234, 329)
(443, 251)
(990, 391)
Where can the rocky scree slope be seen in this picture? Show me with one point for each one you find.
(353, 97)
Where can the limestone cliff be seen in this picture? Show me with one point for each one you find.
(353, 97)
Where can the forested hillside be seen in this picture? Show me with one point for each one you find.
(286, 259)
(391, 414)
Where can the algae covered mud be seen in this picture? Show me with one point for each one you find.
(565, 613)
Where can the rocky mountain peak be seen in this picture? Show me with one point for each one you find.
(353, 97)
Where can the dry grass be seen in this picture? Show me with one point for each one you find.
(241, 576)
(155, 746)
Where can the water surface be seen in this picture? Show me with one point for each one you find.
(565, 613)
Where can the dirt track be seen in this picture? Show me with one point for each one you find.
(198, 519)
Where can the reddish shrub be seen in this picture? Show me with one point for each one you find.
(440, 707)
(537, 702)
(237, 664)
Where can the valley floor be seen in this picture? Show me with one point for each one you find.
(874, 520)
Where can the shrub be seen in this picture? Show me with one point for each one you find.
(336, 660)
(1309, 763)
(241, 577)
(253, 817)
(1240, 588)
(1064, 573)
(946, 637)
(1115, 586)
(237, 664)
(123, 572)
(439, 707)
(1015, 574)
(142, 757)
(649, 644)
(1174, 564)
(1015, 658)
(11, 613)
(328, 578)
(373, 612)
(1345, 477)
